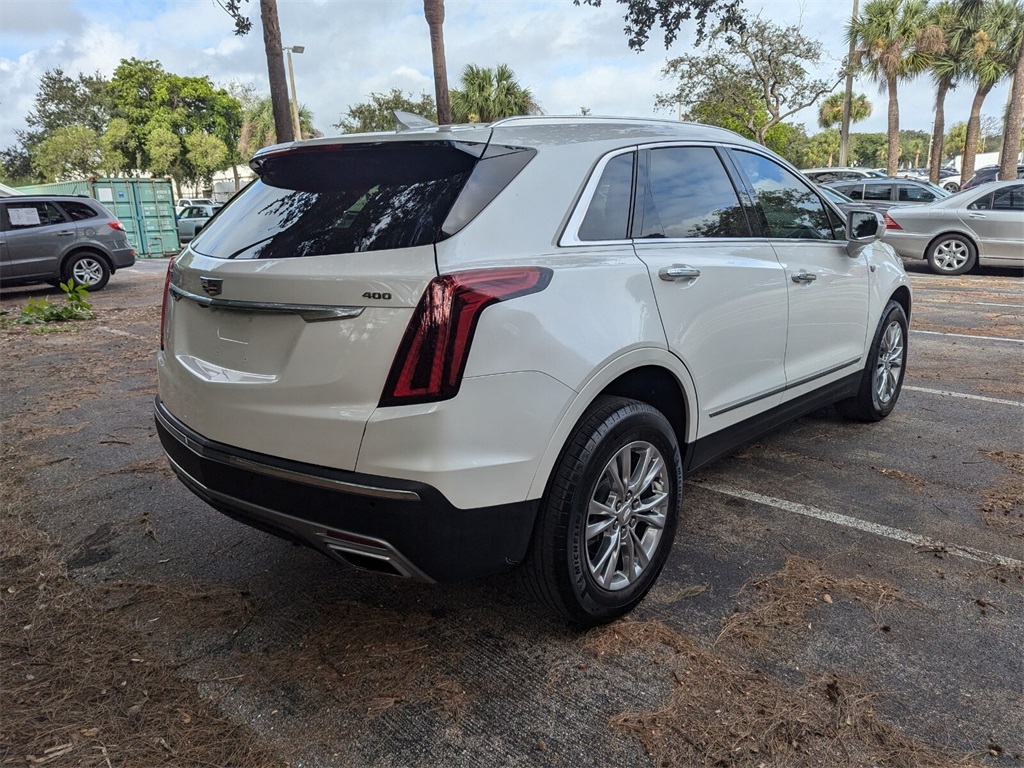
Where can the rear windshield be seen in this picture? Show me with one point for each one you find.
(342, 199)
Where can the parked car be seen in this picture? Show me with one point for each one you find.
(187, 202)
(822, 175)
(194, 218)
(848, 204)
(890, 191)
(447, 352)
(949, 179)
(50, 239)
(989, 173)
(982, 225)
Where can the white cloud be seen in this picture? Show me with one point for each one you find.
(568, 56)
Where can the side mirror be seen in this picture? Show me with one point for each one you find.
(864, 226)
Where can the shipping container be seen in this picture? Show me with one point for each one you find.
(144, 206)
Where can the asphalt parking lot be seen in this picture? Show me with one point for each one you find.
(839, 593)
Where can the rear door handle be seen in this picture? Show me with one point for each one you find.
(678, 272)
(66, 233)
(804, 277)
(976, 216)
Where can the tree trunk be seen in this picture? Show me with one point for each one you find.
(238, 181)
(1014, 116)
(973, 130)
(892, 161)
(433, 10)
(938, 131)
(275, 70)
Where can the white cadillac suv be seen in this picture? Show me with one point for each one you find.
(451, 351)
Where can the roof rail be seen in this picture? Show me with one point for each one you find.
(561, 119)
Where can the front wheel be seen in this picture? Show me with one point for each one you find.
(882, 380)
(88, 269)
(952, 255)
(610, 513)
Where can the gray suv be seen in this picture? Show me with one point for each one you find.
(55, 238)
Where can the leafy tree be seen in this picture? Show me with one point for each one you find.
(283, 128)
(433, 10)
(115, 146)
(822, 147)
(16, 166)
(869, 149)
(150, 100)
(759, 73)
(643, 15)
(376, 114)
(913, 144)
(70, 152)
(830, 112)
(894, 39)
(487, 94)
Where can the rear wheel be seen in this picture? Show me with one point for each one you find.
(609, 517)
(883, 376)
(88, 269)
(952, 255)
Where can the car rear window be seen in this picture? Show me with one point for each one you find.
(78, 211)
(342, 199)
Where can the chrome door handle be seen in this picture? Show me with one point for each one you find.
(678, 272)
(804, 277)
(65, 233)
(976, 216)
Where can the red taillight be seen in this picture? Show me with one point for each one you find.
(163, 306)
(116, 225)
(890, 223)
(433, 353)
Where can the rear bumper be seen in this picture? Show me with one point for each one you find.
(396, 526)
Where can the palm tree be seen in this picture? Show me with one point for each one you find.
(433, 10)
(893, 39)
(258, 126)
(946, 68)
(486, 95)
(992, 56)
(830, 113)
(1015, 112)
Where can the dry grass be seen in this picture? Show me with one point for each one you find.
(82, 687)
(784, 598)
(721, 713)
(1002, 507)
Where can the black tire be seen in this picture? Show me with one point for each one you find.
(559, 567)
(882, 380)
(89, 269)
(951, 186)
(951, 254)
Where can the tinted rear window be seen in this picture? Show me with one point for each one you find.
(342, 199)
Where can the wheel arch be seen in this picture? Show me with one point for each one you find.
(902, 297)
(959, 233)
(650, 375)
(82, 249)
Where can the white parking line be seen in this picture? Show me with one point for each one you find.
(898, 534)
(965, 396)
(969, 303)
(968, 336)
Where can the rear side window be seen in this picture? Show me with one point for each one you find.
(1009, 199)
(690, 195)
(26, 215)
(78, 211)
(608, 214)
(877, 192)
(915, 194)
(341, 199)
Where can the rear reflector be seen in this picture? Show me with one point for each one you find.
(890, 223)
(432, 356)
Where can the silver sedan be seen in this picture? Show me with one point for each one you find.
(984, 225)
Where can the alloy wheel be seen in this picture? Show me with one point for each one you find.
(951, 255)
(626, 516)
(889, 364)
(87, 272)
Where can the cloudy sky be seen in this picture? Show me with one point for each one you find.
(571, 57)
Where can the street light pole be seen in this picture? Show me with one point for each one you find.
(291, 80)
(844, 135)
